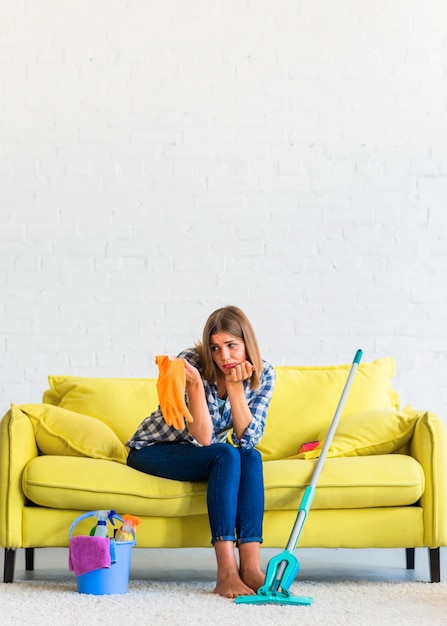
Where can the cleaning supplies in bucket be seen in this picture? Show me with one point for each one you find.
(101, 564)
(100, 528)
(128, 530)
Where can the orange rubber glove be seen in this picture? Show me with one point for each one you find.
(171, 386)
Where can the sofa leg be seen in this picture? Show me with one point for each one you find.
(9, 564)
(435, 565)
(29, 559)
(409, 552)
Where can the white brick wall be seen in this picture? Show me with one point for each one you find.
(160, 159)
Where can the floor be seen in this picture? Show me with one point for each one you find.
(199, 564)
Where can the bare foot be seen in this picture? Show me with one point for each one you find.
(232, 587)
(253, 578)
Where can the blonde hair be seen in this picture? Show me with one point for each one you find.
(231, 320)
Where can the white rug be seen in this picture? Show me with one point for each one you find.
(183, 604)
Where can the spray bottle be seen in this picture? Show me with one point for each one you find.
(130, 523)
(100, 528)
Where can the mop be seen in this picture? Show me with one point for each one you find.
(283, 568)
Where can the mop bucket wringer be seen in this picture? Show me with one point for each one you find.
(107, 580)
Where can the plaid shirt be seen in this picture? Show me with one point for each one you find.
(154, 429)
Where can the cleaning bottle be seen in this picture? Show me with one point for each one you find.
(130, 523)
(100, 528)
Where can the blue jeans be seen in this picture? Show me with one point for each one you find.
(235, 494)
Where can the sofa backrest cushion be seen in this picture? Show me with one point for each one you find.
(121, 403)
(381, 431)
(303, 403)
(62, 432)
(305, 400)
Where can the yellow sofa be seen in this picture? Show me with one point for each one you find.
(383, 484)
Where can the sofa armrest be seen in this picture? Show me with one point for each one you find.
(17, 448)
(428, 446)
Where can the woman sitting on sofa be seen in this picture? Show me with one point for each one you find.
(228, 391)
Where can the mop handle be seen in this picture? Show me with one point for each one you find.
(310, 490)
(336, 419)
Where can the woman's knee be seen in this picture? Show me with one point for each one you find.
(226, 453)
(251, 456)
(226, 457)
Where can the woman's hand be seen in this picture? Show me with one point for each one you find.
(201, 429)
(192, 374)
(240, 372)
(240, 410)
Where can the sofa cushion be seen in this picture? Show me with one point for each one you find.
(371, 432)
(305, 400)
(62, 432)
(303, 403)
(121, 403)
(89, 484)
(346, 482)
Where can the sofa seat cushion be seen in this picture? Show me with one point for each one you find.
(91, 484)
(345, 483)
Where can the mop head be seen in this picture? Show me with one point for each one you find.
(274, 597)
(281, 572)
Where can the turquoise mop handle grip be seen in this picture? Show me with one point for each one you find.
(358, 357)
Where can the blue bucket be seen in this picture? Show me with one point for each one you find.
(107, 580)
